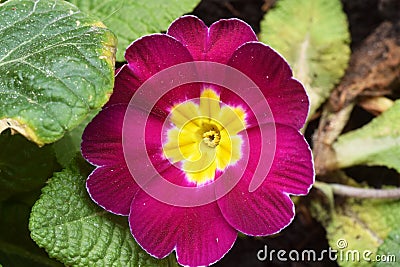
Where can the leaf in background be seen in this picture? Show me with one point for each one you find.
(16, 247)
(363, 224)
(77, 232)
(131, 19)
(376, 143)
(390, 247)
(23, 165)
(67, 147)
(56, 65)
(313, 36)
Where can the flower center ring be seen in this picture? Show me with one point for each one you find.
(141, 105)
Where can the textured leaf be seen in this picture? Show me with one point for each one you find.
(56, 64)
(77, 232)
(131, 19)
(313, 36)
(23, 165)
(67, 147)
(390, 248)
(363, 225)
(377, 143)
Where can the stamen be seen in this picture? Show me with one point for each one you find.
(211, 138)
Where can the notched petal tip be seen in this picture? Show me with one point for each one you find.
(216, 43)
(153, 53)
(184, 23)
(235, 24)
(200, 235)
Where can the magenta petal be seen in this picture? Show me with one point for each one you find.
(113, 188)
(153, 53)
(292, 170)
(143, 151)
(192, 33)
(268, 209)
(263, 212)
(214, 44)
(200, 235)
(147, 57)
(102, 138)
(206, 237)
(286, 97)
(225, 36)
(169, 172)
(126, 84)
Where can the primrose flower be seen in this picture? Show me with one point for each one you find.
(243, 143)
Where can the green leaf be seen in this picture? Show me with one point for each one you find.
(390, 249)
(313, 36)
(23, 165)
(67, 147)
(363, 224)
(57, 64)
(132, 19)
(77, 232)
(376, 143)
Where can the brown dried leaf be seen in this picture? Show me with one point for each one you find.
(374, 68)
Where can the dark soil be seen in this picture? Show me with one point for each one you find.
(304, 233)
(248, 10)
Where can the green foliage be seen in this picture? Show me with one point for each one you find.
(77, 232)
(57, 64)
(390, 248)
(131, 19)
(23, 165)
(363, 224)
(67, 147)
(377, 143)
(313, 36)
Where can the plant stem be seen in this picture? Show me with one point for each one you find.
(350, 191)
(330, 127)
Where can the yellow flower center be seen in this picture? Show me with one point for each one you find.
(211, 138)
(204, 137)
